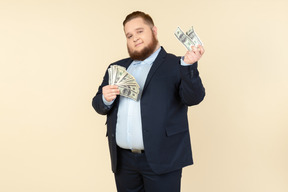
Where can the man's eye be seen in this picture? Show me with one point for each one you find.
(129, 36)
(140, 31)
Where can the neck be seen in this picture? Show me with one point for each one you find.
(157, 47)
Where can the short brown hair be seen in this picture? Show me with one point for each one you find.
(147, 19)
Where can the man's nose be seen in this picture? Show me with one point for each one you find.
(135, 38)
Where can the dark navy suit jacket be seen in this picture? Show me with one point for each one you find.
(168, 91)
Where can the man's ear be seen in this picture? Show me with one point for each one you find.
(154, 30)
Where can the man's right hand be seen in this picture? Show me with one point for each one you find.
(110, 92)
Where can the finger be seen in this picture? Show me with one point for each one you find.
(201, 49)
(195, 52)
(113, 87)
(116, 91)
(110, 95)
(109, 87)
(110, 92)
(194, 49)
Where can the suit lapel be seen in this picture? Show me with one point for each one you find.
(158, 61)
(127, 64)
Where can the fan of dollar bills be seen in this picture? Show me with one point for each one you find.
(126, 82)
(189, 39)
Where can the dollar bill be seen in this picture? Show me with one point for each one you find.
(126, 92)
(110, 75)
(189, 39)
(130, 87)
(126, 82)
(114, 74)
(121, 73)
(194, 37)
(183, 38)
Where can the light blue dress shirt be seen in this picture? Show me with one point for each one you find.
(129, 124)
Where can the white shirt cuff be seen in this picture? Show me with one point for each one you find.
(106, 102)
(183, 63)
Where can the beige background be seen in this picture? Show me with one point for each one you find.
(53, 55)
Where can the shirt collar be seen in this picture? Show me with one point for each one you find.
(148, 60)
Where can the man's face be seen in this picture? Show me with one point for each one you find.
(141, 39)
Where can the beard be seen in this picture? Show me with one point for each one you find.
(145, 52)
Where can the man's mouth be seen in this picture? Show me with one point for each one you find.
(138, 44)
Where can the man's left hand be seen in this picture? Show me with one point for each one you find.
(194, 55)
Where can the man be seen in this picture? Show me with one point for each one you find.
(149, 138)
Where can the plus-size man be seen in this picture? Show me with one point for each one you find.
(149, 139)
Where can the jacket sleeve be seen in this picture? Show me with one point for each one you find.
(191, 91)
(97, 101)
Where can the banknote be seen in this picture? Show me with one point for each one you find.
(183, 38)
(189, 39)
(194, 37)
(126, 83)
(126, 92)
(133, 88)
